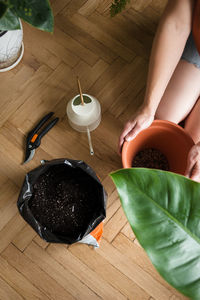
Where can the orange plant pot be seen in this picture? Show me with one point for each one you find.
(171, 139)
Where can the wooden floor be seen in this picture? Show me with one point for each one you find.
(110, 56)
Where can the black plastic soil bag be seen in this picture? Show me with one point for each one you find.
(63, 201)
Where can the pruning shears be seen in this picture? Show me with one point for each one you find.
(34, 136)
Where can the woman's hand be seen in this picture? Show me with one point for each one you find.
(193, 163)
(143, 119)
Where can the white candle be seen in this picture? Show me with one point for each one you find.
(84, 117)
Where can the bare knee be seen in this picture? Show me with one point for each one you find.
(159, 115)
(192, 124)
(162, 114)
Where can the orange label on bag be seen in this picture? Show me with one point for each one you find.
(97, 232)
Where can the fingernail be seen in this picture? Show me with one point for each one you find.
(130, 138)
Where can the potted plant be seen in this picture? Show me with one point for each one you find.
(117, 6)
(37, 13)
(163, 208)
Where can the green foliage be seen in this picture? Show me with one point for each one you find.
(163, 210)
(38, 13)
(9, 21)
(117, 6)
(3, 8)
(77, 100)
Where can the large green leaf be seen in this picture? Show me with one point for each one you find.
(163, 210)
(3, 8)
(36, 12)
(9, 21)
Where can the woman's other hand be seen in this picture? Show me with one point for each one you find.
(143, 119)
(193, 163)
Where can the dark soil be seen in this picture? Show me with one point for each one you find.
(151, 158)
(64, 200)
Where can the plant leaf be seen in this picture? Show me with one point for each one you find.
(9, 21)
(77, 100)
(3, 8)
(163, 209)
(87, 99)
(38, 13)
(117, 6)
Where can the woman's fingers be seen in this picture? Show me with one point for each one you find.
(141, 124)
(195, 172)
(127, 128)
(132, 134)
(190, 165)
(193, 166)
(188, 168)
(142, 120)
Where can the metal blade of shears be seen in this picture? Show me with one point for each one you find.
(29, 155)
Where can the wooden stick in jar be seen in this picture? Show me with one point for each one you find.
(80, 91)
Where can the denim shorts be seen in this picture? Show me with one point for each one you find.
(190, 52)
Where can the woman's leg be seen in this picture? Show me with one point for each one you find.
(192, 123)
(181, 94)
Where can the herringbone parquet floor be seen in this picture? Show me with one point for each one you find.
(110, 56)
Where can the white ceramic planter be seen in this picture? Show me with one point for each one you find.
(11, 49)
(84, 117)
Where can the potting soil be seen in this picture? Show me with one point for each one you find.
(151, 158)
(64, 200)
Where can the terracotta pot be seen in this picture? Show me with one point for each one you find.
(171, 139)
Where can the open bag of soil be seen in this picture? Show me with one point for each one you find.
(64, 202)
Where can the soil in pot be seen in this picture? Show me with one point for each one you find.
(151, 158)
(63, 200)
